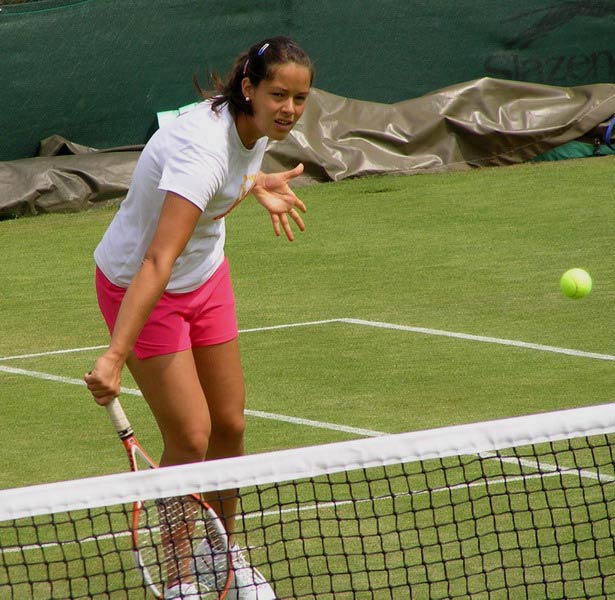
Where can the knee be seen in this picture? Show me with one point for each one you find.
(226, 437)
(189, 446)
(230, 428)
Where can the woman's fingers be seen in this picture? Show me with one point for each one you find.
(286, 226)
(275, 219)
(281, 223)
(300, 205)
(103, 389)
(297, 218)
(296, 171)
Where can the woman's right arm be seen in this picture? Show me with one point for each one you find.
(176, 224)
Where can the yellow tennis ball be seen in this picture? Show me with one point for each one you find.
(576, 283)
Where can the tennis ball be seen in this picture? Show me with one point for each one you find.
(576, 283)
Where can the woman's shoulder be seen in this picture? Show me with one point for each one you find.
(204, 116)
(200, 128)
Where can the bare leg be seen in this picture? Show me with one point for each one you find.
(172, 388)
(197, 398)
(221, 376)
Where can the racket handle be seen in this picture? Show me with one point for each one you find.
(119, 419)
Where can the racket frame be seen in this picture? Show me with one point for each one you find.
(133, 448)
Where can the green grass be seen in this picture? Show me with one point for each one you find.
(476, 253)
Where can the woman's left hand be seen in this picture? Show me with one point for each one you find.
(274, 193)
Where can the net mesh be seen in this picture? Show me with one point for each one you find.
(520, 508)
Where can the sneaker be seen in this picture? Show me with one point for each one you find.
(247, 584)
(182, 591)
(210, 566)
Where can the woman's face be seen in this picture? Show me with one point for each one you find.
(277, 103)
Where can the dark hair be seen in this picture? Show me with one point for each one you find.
(258, 63)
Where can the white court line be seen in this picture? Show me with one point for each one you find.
(506, 480)
(252, 413)
(380, 325)
(287, 325)
(351, 321)
(310, 507)
(254, 329)
(481, 338)
(538, 466)
(51, 352)
(318, 424)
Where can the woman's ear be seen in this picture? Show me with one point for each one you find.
(247, 88)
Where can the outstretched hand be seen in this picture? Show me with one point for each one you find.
(274, 193)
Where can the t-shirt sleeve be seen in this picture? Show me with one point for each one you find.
(194, 173)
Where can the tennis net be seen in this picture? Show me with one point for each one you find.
(513, 508)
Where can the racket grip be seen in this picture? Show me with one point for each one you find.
(119, 419)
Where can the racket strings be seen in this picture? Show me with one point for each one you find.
(216, 537)
(182, 541)
(177, 517)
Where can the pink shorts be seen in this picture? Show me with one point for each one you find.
(203, 317)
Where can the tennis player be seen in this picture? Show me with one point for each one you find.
(162, 278)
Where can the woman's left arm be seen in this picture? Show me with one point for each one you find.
(274, 193)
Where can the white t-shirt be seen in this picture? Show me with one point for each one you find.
(199, 156)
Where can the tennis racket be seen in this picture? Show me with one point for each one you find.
(178, 540)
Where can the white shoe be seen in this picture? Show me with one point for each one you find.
(210, 566)
(182, 591)
(247, 584)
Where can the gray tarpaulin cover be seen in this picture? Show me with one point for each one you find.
(486, 122)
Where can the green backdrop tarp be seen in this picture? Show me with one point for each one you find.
(98, 71)
(575, 149)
